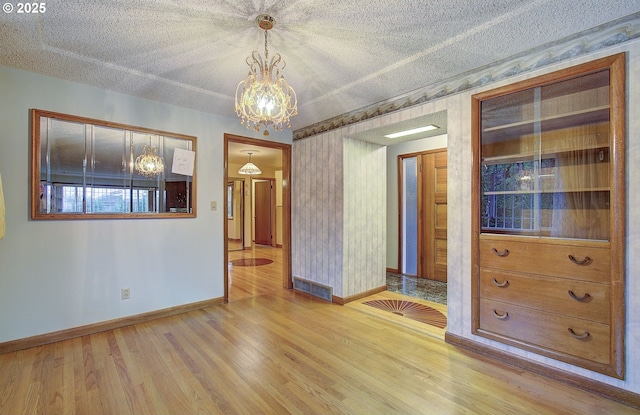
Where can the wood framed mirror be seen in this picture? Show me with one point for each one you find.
(83, 168)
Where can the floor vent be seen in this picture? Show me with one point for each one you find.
(313, 288)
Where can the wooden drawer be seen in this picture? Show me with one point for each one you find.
(538, 256)
(547, 330)
(548, 294)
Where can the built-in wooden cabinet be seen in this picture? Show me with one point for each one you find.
(549, 208)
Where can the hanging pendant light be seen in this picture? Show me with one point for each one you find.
(250, 168)
(264, 96)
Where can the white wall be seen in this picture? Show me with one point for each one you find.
(393, 209)
(56, 275)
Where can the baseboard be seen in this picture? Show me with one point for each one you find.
(343, 301)
(579, 382)
(42, 339)
(393, 270)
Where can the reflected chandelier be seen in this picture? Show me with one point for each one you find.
(264, 96)
(148, 163)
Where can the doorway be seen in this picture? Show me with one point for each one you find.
(280, 234)
(423, 215)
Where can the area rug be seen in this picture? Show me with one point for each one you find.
(414, 311)
(250, 262)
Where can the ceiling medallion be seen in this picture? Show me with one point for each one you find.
(264, 96)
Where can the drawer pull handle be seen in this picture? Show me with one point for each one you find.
(501, 284)
(584, 336)
(502, 316)
(584, 299)
(504, 252)
(585, 261)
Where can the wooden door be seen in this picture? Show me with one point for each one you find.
(262, 213)
(432, 220)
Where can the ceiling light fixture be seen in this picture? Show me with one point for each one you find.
(249, 168)
(264, 96)
(148, 163)
(429, 127)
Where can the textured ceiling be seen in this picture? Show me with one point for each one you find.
(342, 55)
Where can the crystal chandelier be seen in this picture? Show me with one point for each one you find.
(249, 168)
(148, 163)
(264, 96)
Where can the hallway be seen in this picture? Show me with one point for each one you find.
(254, 272)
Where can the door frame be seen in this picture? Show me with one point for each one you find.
(287, 280)
(401, 196)
(401, 230)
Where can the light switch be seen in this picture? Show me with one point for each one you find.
(214, 205)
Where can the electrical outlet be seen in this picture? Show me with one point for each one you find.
(125, 294)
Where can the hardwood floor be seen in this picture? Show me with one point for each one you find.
(276, 352)
(251, 281)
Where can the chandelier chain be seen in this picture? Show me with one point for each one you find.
(266, 51)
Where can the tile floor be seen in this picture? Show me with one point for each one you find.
(423, 288)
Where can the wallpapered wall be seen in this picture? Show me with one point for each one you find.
(365, 214)
(339, 213)
(316, 210)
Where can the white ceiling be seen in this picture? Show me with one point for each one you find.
(341, 55)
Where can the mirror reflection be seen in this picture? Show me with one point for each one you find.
(90, 168)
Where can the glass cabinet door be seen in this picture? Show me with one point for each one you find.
(544, 154)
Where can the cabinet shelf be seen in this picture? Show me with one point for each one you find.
(533, 155)
(547, 123)
(535, 192)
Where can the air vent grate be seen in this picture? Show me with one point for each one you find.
(313, 288)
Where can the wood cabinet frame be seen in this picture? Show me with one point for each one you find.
(180, 188)
(616, 65)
